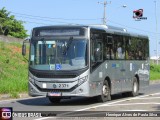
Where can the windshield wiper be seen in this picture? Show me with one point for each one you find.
(68, 45)
(44, 41)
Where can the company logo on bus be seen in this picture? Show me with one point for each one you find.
(138, 15)
(54, 86)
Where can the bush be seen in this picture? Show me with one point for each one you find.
(154, 72)
(155, 68)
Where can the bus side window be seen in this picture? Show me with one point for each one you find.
(109, 52)
(98, 52)
(146, 49)
(119, 47)
(96, 49)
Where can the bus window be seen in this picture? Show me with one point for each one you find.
(96, 52)
(96, 49)
(128, 52)
(133, 48)
(146, 49)
(109, 54)
(119, 47)
(140, 50)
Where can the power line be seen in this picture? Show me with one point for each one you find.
(35, 22)
(51, 17)
(44, 20)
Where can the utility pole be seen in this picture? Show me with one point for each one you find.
(156, 33)
(104, 13)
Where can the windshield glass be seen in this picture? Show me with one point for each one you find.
(58, 54)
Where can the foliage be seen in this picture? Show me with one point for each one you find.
(155, 68)
(10, 26)
(154, 72)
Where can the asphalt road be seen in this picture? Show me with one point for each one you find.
(145, 105)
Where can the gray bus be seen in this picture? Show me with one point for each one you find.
(90, 61)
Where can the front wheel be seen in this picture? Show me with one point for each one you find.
(106, 93)
(135, 88)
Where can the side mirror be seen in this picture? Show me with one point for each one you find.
(23, 49)
(27, 40)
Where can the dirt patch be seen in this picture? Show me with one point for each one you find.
(15, 49)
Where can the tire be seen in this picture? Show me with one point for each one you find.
(135, 88)
(54, 100)
(105, 93)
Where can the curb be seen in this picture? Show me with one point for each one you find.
(8, 96)
(154, 81)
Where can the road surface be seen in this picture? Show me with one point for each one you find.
(146, 106)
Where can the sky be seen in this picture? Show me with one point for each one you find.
(58, 12)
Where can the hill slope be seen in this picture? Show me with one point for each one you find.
(13, 69)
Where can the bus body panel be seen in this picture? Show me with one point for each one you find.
(121, 74)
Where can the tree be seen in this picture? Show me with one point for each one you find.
(10, 26)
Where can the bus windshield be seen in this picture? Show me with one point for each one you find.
(58, 54)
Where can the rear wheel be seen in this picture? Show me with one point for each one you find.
(135, 89)
(106, 93)
(54, 100)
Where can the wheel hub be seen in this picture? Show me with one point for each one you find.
(105, 90)
(135, 87)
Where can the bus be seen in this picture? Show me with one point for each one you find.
(96, 61)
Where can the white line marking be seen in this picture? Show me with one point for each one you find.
(133, 104)
(111, 103)
(149, 98)
(108, 104)
(133, 110)
(93, 107)
(45, 118)
(156, 94)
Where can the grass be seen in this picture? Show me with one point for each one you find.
(154, 72)
(13, 69)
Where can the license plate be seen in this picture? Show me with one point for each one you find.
(55, 94)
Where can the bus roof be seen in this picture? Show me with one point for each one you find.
(106, 28)
(117, 30)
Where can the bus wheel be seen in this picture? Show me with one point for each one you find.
(54, 100)
(106, 93)
(135, 88)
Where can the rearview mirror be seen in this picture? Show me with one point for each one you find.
(23, 49)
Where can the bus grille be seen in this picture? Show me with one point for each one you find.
(54, 76)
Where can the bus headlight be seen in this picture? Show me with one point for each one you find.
(31, 80)
(82, 80)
